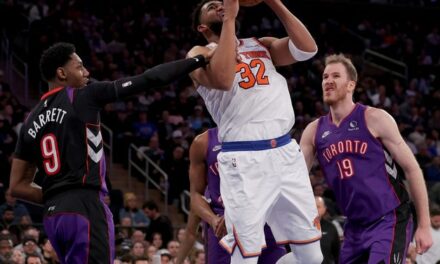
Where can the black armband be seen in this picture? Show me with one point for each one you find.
(160, 75)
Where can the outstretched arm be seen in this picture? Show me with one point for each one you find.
(101, 93)
(383, 126)
(281, 51)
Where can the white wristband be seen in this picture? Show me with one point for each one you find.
(298, 54)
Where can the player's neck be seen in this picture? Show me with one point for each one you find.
(340, 110)
(53, 85)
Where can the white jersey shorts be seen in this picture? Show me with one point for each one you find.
(267, 186)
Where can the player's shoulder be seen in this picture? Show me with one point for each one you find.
(266, 41)
(196, 50)
(314, 124)
(201, 139)
(374, 114)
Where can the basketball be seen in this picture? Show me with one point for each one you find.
(249, 2)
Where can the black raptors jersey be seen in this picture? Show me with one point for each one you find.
(62, 137)
(62, 133)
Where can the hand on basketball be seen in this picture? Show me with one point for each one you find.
(423, 239)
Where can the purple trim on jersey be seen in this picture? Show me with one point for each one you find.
(69, 91)
(110, 226)
(213, 177)
(72, 228)
(354, 164)
(102, 174)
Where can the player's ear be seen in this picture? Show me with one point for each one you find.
(61, 73)
(202, 28)
(351, 85)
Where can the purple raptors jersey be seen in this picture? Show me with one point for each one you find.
(358, 168)
(213, 191)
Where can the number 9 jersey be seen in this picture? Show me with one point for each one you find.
(62, 137)
(258, 106)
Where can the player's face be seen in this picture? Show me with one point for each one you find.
(211, 11)
(211, 17)
(75, 74)
(336, 86)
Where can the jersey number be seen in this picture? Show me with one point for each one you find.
(345, 167)
(50, 153)
(249, 79)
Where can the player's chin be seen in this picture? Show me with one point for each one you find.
(328, 100)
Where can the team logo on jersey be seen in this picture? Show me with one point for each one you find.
(353, 126)
(325, 134)
(216, 148)
(94, 145)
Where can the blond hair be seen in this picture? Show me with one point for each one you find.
(348, 64)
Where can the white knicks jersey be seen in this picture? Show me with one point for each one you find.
(258, 106)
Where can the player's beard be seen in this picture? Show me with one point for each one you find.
(216, 27)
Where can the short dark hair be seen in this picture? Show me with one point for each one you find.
(151, 205)
(32, 255)
(196, 13)
(55, 56)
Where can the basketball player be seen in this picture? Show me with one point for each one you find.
(62, 139)
(356, 147)
(206, 201)
(263, 174)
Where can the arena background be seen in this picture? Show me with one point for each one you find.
(395, 46)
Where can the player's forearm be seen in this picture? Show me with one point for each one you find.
(296, 30)
(186, 247)
(223, 62)
(21, 181)
(27, 192)
(419, 196)
(157, 76)
(201, 208)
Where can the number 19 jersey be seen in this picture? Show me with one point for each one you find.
(258, 106)
(358, 168)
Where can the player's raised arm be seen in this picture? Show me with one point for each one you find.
(298, 46)
(383, 126)
(220, 73)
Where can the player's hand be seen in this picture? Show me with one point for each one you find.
(231, 8)
(423, 239)
(218, 225)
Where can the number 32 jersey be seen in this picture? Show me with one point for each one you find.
(258, 106)
(62, 137)
(358, 168)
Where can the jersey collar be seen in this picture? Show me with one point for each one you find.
(49, 93)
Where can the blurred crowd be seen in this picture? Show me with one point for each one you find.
(127, 37)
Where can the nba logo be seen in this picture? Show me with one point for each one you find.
(234, 163)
